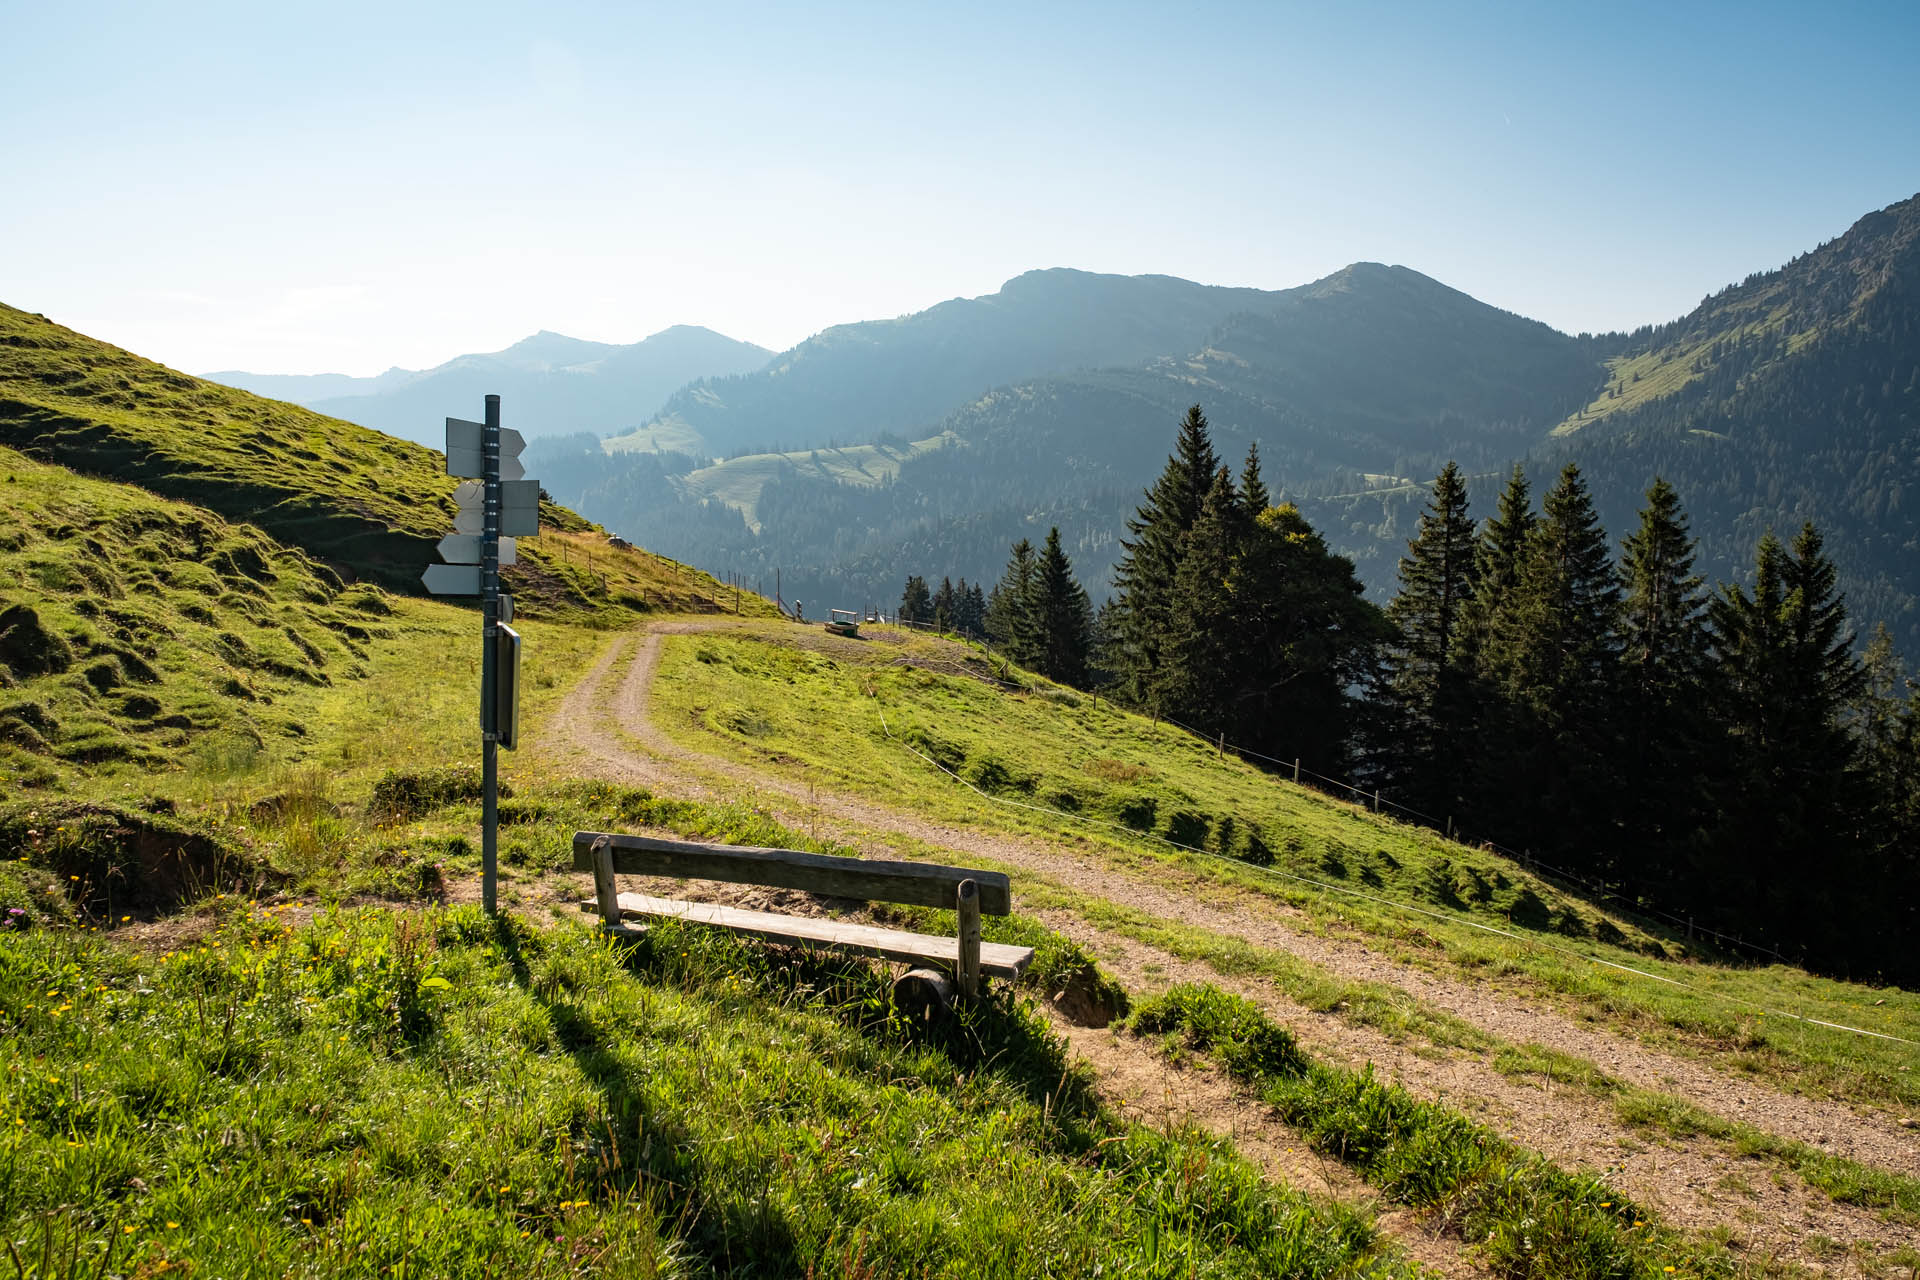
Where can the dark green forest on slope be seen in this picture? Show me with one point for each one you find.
(1788, 397)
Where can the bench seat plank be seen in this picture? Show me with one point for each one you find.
(997, 959)
(866, 879)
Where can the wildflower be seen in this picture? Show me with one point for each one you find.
(172, 1226)
(126, 1231)
(124, 919)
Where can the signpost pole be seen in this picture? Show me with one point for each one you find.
(489, 660)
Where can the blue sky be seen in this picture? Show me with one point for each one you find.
(292, 188)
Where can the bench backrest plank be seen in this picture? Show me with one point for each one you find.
(923, 884)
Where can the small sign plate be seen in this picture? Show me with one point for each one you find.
(464, 548)
(471, 437)
(452, 579)
(470, 462)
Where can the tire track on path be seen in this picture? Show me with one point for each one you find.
(1694, 1183)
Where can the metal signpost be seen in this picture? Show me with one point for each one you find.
(500, 507)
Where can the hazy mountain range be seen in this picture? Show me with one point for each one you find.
(927, 443)
(549, 383)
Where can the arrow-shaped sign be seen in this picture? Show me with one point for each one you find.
(519, 508)
(464, 548)
(470, 462)
(452, 579)
(467, 436)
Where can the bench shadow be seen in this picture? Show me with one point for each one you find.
(732, 1240)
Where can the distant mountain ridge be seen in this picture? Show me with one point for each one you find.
(1792, 395)
(853, 382)
(549, 383)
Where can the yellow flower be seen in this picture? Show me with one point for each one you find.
(126, 1231)
(172, 1226)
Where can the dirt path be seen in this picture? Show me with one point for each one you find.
(1694, 1184)
(1139, 1082)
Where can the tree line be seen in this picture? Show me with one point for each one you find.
(1727, 755)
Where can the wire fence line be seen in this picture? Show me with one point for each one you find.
(1374, 798)
(1391, 904)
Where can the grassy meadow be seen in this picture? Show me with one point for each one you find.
(1055, 762)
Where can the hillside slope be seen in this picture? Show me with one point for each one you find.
(554, 384)
(369, 506)
(1699, 1087)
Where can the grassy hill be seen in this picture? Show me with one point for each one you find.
(892, 720)
(252, 1023)
(367, 505)
(737, 482)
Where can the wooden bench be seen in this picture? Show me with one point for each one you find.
(926, 884)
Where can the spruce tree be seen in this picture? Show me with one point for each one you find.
(1431, 710)
(1253, 490)
(1150, 560)
(1061, 616)
(1305, 637)
(1554, 656)
(1202, 678)
(916, 602)
(1502, 553)
(1787, 854)
(1009, 617)
(1664, 696)
(943, 606)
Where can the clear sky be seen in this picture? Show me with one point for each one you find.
(295, 188)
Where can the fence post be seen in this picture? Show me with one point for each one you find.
(1376, 802)
(1296, 768)
(1220, 746)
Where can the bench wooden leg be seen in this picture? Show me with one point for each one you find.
(606, 895)
(968, 969)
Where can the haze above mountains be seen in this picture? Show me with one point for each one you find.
(555, 383)
(929, 442)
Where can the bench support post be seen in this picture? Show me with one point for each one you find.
(607, 896)
(968, 969)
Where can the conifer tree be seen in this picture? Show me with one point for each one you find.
(1502, 553)
(1202, 679)
(1253, 490)
(1009, 617)
(1554, 657)
(1150, 560)
(1060, 616)
(1428, 691)
(1664, 695)
(1792, 790)
(943, 606)
(1305, 636)
(916, 603)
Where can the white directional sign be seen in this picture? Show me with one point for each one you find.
(519, 508)
(464, 548)
(452, 579)
(466, 444)
(471, 462)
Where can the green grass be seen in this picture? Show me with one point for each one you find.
(738, 481)
(439, 1094)
(370, 505)
(1526, 1216)
(1087, 772)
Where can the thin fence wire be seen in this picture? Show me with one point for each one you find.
(1373, 798)
(1389, 903)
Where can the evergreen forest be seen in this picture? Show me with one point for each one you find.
(1732, 758)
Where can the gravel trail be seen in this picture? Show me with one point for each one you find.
(1694, 1183)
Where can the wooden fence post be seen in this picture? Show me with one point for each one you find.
(1296, 768)
(968, 903)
